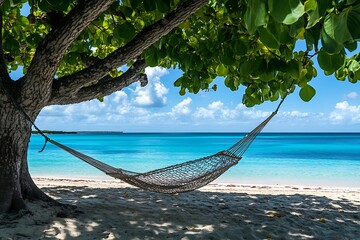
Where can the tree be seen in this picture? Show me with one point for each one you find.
(71, 51)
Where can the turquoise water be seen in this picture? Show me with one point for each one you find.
(303, 159)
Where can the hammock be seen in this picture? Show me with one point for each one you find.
(183, 177)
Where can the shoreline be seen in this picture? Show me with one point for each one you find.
(210, 185)
(110, 209)
(282, 184)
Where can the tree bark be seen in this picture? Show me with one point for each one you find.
(16, 183)
(104, 87)
(14, 139)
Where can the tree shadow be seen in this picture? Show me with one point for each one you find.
(130, 213)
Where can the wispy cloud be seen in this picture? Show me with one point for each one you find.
(352, 95)
(345, 113)
(296, 114)
(256, 114)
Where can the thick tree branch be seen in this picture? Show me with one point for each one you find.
(38, 80)
(103, 87)
(4, 74)
(130, 51)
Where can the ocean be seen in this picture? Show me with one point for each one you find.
(293, 159)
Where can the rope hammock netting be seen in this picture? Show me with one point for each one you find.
(183, 177)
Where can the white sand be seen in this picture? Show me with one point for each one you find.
(113, 210)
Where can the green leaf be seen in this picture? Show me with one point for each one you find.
(307, 93)
(351, 46)
(286, 11)
(353, 21)
(255, 15)
(232, 6)
(246, 68)
(182, 91)
(59, 5)
(135, 3)
(283, 32)
(335, 26)
(294, 69)
(350, 2)
(330, 62)
(297, 28)
(316, 11)
(227, 58)
(151, 57)
(221, 70)
(341, 74)
(44, 5)
(149, 5)
(177, 83)
(310, 5)
(354, 77)
(125, 31)
(33, 40)
(268, 38)
(329, 44)
(354, 66)
(240, 47)
(311, 8)
(128, 12)
(162, 5)
(24, 20)
(274, 95)
(11, 44)
(72, 58)
(5, 5)
(229, 82)
(312, 37)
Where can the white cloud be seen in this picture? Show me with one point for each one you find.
(255, 114)
(218, 105)
(296, 114)
(182, 107)
(217, 110)
(155, 72)
(204, 113)
(154, 94)
(345, 113)
(209, 112)
(120, 97)
(144, 98)
(352, 95)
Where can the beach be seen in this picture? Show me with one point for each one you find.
(110, 209)
(287, 186)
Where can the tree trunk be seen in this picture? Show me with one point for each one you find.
(15, 181)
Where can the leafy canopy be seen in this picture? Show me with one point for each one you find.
(250, 42)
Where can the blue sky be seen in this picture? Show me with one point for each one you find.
(158, 107)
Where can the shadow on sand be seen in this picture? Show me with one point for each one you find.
(128, 213)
